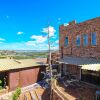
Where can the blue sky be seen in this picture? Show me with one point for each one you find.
(23, 23)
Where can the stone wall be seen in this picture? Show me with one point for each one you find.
(72, 30)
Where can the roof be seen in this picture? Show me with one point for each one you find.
(86, 63)
(10, 64)
(79, 60)
(93, 19)
(92, 67)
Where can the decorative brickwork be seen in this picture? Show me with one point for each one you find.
(72, 30)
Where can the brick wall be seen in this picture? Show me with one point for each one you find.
(55, 57)
(73, 69)
(74, 29)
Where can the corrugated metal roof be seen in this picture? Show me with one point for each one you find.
(9, 64)
(92, 67)
(86, 63)
(79, 60)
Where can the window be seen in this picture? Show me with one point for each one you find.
(85, 39)
(93, 38)
(78, 40)
(97, 95)
(66, 41)
(89, 77)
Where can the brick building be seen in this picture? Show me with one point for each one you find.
(81, 39)
(79, 45)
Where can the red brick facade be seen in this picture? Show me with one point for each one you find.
(72, 30)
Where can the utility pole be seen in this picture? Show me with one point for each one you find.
(49, 49)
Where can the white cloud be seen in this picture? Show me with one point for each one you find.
(2, 39)
(66, 24)
(54, 36)
(31, 43)
(57, 41)
(1, 42)
(19, 33)
(43, 46)
(16, 46)
(55, 48)
(51, 30)
(59, 19)
(37, 46)
(7, 17)
(39, 39)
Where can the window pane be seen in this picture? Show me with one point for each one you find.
(93, 40)
(66, 41)
(78, 40)
(85, 39)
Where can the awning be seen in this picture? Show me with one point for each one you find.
(78, 60)
(92, 67)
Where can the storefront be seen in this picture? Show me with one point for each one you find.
(91, 74)
(91, 77)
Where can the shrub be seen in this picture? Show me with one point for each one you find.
(1, 84)
(16, 94)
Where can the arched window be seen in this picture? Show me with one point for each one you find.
(85, 39)
(78, 40)
(93, 38)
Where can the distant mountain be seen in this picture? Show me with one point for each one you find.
(13, 51)
(34, 50)
(30, 50)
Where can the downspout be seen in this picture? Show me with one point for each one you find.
(80, 73)
(61, 52)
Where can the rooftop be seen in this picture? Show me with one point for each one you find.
(79, 60)
(85, 63)
(10, 64)
(74, 22)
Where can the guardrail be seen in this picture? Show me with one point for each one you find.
(58, 91)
